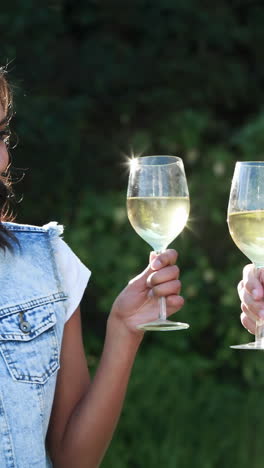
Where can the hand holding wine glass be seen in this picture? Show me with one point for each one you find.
(251, 293)
(158, 208)
(246, 223)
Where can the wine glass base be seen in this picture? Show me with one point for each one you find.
(254, 345)
(163, 325)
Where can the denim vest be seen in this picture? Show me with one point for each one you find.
(32, 316)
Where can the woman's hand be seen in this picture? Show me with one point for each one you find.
(138, 303)
(251, 293)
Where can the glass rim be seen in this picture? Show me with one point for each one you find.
(250, 163)
(176, 159)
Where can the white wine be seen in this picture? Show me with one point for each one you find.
(247, 231)
(158, 220)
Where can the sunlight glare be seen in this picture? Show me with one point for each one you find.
(133, 164)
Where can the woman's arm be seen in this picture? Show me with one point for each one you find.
(85, 413)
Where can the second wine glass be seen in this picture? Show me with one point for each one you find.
(158, 208)
(246, 223)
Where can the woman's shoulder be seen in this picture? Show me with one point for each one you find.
(30, 236)
(52, 227)
(66, 258)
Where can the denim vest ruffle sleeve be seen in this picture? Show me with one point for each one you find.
(32, 317)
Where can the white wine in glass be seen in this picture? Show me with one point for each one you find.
(158, 208)
(245, 219)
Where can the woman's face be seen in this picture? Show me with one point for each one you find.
(4, 157)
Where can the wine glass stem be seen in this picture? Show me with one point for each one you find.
(162, 312)
(162, 300)
(259, 334)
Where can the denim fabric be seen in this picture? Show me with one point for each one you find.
(32, 317)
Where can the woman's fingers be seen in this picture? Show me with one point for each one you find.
(158, 261)
(249, 312)
(174, 303)
(248, 323)
(164, 280)
(252, 282)
(250, 291)
(166, 289)
(256, 308)
(168, 273)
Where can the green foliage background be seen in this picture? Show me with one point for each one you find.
(94, 82)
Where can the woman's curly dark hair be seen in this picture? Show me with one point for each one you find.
(6, 192)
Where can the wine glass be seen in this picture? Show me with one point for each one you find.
(245, 219)
(158, 208)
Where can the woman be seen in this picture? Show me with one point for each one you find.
(51, 413)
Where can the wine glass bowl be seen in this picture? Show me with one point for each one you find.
(158, 208)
